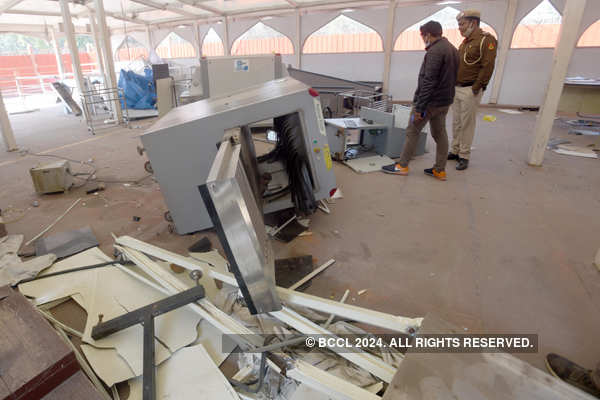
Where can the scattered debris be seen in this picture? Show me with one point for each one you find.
(337, 194)
(201, 246)
(553, 143)
(312, 274)
(53, 223)
(35, 203)
(136, 218)
(509, 111)
(585, 132)
(323, 207)
(360, 292)
(575, 151)
(332, 316)
(66, 244)
(97, 189)
(290, 270)
(489, 118)
(597, 259)
(3, 231)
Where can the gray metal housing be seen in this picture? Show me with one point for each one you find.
(182, 145)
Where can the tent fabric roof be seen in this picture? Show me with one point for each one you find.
(132, 13)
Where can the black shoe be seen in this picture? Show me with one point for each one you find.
(452, 156)
(572, 373)
(463, 163)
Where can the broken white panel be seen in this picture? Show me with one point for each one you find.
(363, 165)
(304, 392)
(13, 270)
(210, 287)
(60, 286)
(211, 338)
(10, 244)
(188, 374)
(107, 364)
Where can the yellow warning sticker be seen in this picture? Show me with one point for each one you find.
(327, 156)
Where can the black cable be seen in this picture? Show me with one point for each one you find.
(66, 271)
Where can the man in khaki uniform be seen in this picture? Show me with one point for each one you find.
(477, 55)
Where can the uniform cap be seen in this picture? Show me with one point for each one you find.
(468, 14)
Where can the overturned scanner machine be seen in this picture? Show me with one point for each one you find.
(298, 172)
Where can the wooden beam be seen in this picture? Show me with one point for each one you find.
(505, 41)
(368, 362)
(567, 39)
(8, 5)
(166, 7)
(312, 275)
(291, 297)
(200, 6)
(389, 45)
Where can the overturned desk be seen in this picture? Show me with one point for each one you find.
(370, 141)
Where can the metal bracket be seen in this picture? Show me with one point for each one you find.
(145, 316)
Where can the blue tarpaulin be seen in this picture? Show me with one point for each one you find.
(138, 90)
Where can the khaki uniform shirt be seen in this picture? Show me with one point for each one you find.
(477, 56)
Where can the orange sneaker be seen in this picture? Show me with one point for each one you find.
(395, 169)
(441, 175)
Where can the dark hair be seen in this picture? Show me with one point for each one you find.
(434, 28)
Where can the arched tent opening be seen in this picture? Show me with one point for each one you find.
(591, 36)
(410, 39)
(538, 29)
(174, 46)
(212, 46)
(21, 57)
(87, 54)
(343, 35)
(130, 50)
(262, 39)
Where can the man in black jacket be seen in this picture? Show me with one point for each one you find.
(434, 95)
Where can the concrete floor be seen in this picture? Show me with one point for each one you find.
(500, 248)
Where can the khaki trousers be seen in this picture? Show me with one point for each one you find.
(465, 115)
(436, 116)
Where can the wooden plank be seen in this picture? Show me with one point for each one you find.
(34, 360)
(368, 362)
(469, 376)
(291, 297)
(312, 275)
(76, 387)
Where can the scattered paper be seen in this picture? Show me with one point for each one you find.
(508, 111)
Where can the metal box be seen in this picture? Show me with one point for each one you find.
(182, 145)
(52, 178)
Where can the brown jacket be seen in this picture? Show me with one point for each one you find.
(477, 56)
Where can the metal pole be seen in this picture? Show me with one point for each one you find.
(107, 53)
(505, 39)
(70, 36)
(227, 50)
(389, 44)
(298, 39)
(567, 39)
(97, 44)
(59, 62)
(7, 132)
